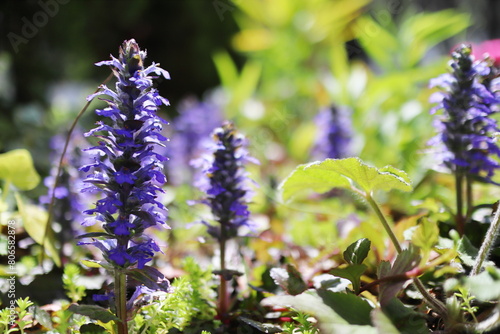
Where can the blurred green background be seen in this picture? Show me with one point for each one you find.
(275, 62)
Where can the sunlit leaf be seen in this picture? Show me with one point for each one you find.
(328, 320)
(352, 273)
(226, 68)
(290, 279)
(382, 322)
(321, 176)
(486, 285)
(35, 223)
(380, 44)
(357, 251)
(426, 235)
(16, 166)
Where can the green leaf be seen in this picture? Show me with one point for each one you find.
(426, 235)
(290, 280)
(383, 323)
(264, 328)
(381, 46)
(328, 320)
(352, 273)
(94, 312)
(403, 318)
(35, 223)
(405, 261)
(226, 68)
(308, 303)
(357, 251)
(91, 263)
(16, 166)
(322, 176)
(352, 308)
(92, 329)
(42, 316)
(94, 235)
(486, 285)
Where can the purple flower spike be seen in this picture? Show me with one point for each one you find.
(126, 170)
(225, 182)
(466, 140)
(334, 134)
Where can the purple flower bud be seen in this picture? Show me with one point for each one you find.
(226, 182)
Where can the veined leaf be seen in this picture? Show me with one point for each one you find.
(16, 166)
(321, 176)
(357, 251)
(426, 235)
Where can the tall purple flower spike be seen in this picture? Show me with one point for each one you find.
(466, 139)
(226, 182)
(126, 169)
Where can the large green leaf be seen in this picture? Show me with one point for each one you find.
(328, 320)
(16, 166)
(322, 176)
(35, 223)
(402, 317)
(352, 308)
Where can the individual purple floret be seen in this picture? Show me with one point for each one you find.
(126, 170)
(226, 182)
(192, 128)
(334, 134)
(466, 141)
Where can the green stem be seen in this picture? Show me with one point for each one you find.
(487, 243)
(469, 199)
(223, 298)
(437, 305)
(384, 222)
(121, 300)
(458, 190)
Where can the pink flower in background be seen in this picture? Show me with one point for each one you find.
(491, 47)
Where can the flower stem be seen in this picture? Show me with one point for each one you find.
(121, 300)
(487, 243)
(223, 298)
(469, 199)
(437, 305)
(384, 222)
(459, 218)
